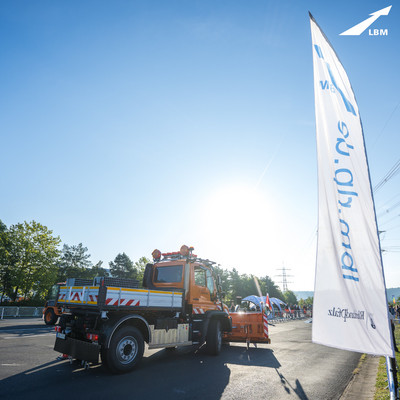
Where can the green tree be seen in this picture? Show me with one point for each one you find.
(74, 262)
(123, 267)
(98, 270)
(290, 297)
(269, 286)
(309, 301)
(240, 286)
(224, 279)
(140, 266)
(234, 286)
(5, 269)
(32, 258)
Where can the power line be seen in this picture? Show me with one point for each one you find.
(387, 121)
(393, 171)
(388, 210)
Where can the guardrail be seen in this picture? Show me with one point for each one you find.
(284, 317)
(21, 312)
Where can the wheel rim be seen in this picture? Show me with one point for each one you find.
(126, 350)
(48, 316)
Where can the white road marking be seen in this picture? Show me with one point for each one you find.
(16, 330)
(10, 365)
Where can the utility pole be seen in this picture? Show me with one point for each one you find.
(284, 277)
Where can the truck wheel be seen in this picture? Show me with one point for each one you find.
(50, 317)
(214, 337)
(125, 351)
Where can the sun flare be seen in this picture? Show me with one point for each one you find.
(238, 220)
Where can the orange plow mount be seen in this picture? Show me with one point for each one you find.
(248, 327)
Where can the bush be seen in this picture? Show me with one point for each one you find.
(23, 303)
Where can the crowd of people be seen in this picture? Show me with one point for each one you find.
(395, 310)
(291, 311)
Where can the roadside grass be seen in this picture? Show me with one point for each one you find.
(381, 390)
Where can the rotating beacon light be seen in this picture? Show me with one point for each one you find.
(184, 250)
(156, 255)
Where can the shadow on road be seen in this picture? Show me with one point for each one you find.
(298, 390)
(181, 374)
(256, 357)
(26, 329)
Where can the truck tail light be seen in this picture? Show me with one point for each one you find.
(92, 336)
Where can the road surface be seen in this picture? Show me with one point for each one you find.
(291, 367)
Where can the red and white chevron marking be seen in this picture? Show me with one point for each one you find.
(198, 310)
(93, 298)
(122, 302)
(61, 297)
(76, 296)
(265, 323)
(226, 309)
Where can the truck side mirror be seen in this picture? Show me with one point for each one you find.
(148, 272)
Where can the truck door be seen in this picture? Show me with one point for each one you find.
(202, 291)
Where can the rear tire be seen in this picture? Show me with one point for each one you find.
(214, 337)
(50, 317)
(125, 351)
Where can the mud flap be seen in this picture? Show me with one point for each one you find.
(78, 349)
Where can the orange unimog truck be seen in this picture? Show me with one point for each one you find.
(180, 304)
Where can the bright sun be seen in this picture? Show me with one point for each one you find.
(238, 220)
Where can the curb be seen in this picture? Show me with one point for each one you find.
(362, 384)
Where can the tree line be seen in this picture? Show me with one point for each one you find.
(32, 260)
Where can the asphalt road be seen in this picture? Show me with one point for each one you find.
(291, 367)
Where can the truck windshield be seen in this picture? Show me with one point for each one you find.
(169, 274)
(53, 292)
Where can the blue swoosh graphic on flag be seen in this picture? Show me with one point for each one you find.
(348, 105)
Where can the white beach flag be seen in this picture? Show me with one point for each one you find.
(350, 308)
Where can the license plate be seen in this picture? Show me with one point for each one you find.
(61, 335)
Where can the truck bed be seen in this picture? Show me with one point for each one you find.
(108, 298)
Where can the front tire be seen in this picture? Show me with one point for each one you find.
(50, 317)
(214, 338)
(125, 351)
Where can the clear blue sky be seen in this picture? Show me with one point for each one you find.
(134, 125)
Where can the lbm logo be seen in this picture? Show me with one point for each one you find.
(378, 32)
(362, 26)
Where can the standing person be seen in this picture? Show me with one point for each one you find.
(391, 316)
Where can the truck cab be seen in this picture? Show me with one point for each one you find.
(193, 276)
